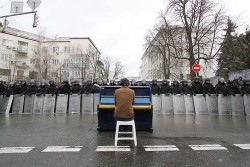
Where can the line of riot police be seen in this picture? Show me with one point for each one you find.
(33, 88)
(232, 87)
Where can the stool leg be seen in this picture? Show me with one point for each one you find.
(116, 133)
(134, 134)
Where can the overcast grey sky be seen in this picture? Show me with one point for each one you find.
(117, 27)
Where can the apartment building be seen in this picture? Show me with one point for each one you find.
(179, 69)
(25, 56)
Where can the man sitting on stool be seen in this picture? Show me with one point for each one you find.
(124, 99)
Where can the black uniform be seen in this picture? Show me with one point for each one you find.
(2, 88)
(51, 89)
(155, 88)
(175, 88)
(165, 88)
(233, 88)
(32, 88)
(76, 88)
(22, 89)
(112, 83)
(88, 88)
(246, 87)
(222, 88)
(208, 88)
(64, 89)
(185, 88)
(197, 87)
(41, 90)
(11, 90)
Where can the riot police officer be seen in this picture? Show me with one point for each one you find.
(11, 90)
(32, 88)
(88, 88)
(155, 88)
(175, 88)
(112, 83)
(208, 88)
(2, 88)
(64, 88)
(246, 87)
(22, 88)
(233, 87)
(197, 86)
(133, 83)
(76, 88)
(51, 88)
(41, 89)
(95, 81)
(221, 87)
(165, 88)
(185, 88)
(143, 83)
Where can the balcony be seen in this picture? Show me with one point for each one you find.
(22, 49)
(21, 64)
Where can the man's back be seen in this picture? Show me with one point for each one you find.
(124, 98)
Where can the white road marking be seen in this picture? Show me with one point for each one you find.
(112, 148)
(243, 146)
(207, 147)
(62, 149)
(161, 148)
(15, 150)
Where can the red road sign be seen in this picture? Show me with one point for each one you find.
(196, 67)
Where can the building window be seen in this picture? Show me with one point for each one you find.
(181, 76)
(180, 64)
(66, 49)
(6, 57)
(55, 49)
(7, 42)
(55, 61)
(32, 61)
(34, 48)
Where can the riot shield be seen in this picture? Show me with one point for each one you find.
(6, 103)
(189, 104)
(38, 104)
(200, 104)
(49, 103)
(167, 104)
(224, 106)
(179, 104)
(28, 104)
(156, 100)
(212, 104)
(74, 103)
(62, 103)
(247, 104)
(18, 103)
(1, 98)
(237, 104)
(96, 101)
(87, 103)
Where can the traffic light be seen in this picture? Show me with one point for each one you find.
(35, 23)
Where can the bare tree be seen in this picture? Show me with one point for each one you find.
(107, 62)
(43, 61)
(202, 22)
(119, 69)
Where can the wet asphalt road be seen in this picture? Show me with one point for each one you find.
(41, 131)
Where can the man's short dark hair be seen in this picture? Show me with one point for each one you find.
(124, 82)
